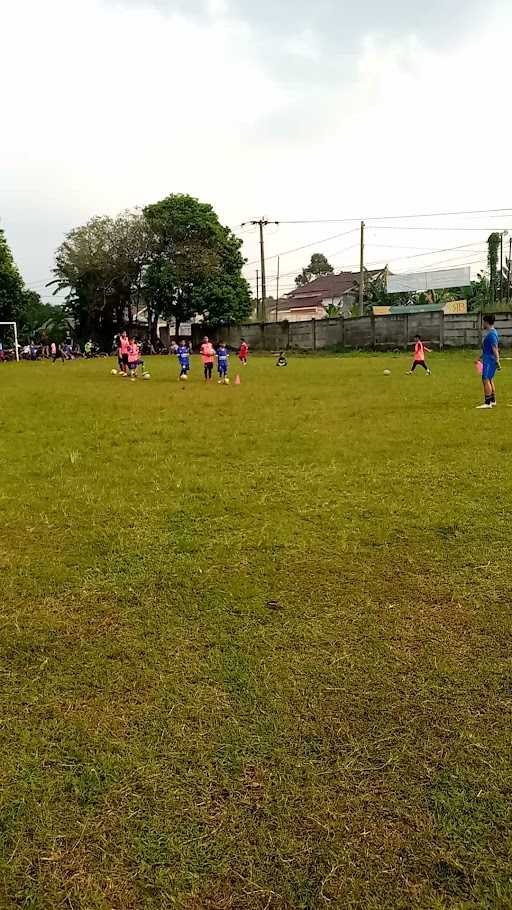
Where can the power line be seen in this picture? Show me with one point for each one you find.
(307, 246)
(448, 249)
(391, 227)
(338, 253)
(396, 217)
(400, 246)
(377, 262)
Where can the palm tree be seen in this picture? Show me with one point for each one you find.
(58, 325)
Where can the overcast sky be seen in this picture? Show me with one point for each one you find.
(296, 110)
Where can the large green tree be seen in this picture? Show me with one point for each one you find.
(318, 267)
(196, 266)
(101, 266)
(12, 290)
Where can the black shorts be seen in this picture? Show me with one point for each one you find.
(124, 358)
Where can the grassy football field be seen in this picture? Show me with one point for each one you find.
(255, 641)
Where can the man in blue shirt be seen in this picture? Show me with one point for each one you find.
(184, 359)
(490, 361)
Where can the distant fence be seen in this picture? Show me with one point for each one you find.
(378, 333)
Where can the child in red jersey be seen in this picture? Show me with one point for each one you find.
(244, 352)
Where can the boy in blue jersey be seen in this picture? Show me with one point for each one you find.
(491, 362)
(183, 354)
(222, 362)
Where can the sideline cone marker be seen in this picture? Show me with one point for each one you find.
(237, 380)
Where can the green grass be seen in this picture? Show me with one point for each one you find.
(167, 738)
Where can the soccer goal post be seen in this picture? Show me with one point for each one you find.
(15, 328)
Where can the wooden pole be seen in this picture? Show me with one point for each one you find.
(361, 273)
(277, 289)
(509, 269)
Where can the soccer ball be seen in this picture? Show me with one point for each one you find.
(147, 376)
(114, 372)
(227, 380)
(184, 377)
(387, 372)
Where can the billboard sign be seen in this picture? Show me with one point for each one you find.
(429, 281)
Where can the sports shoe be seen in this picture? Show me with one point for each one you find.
(484, 407)
(429, 373)
(493, 404)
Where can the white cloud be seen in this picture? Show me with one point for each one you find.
(109, 107)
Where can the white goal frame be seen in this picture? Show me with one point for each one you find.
(15, 327)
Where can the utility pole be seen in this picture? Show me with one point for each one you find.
(263, 275)
(277, 289)
(361, 273)
(509, 269)
(257, 293)
(501, 268)
(262, 223)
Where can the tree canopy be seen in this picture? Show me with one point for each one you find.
(101, 265)
(196, 267)
(12, 289)
(173, 260)
(318, 267)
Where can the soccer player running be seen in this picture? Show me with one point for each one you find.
(133, 358)
(419, 356)
(244, 352)
(207, 356)
(183, 355)
(490, 361)
(222, 363)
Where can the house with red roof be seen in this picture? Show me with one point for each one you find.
(311, 300)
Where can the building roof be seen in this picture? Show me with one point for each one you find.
(329, 286)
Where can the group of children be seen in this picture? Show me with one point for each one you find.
(128, 356)
(129, 359)
(208, 356)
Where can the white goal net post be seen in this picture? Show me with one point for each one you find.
(15, 328)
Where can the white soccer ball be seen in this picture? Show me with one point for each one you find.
(114, 372)
(387, 372)
(147, 375)
(184, 378)
(227, 380)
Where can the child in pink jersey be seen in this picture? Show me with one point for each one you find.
(419, 356)
(208, 357)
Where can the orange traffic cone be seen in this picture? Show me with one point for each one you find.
(237, 380)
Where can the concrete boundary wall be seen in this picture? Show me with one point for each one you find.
(366, 332)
